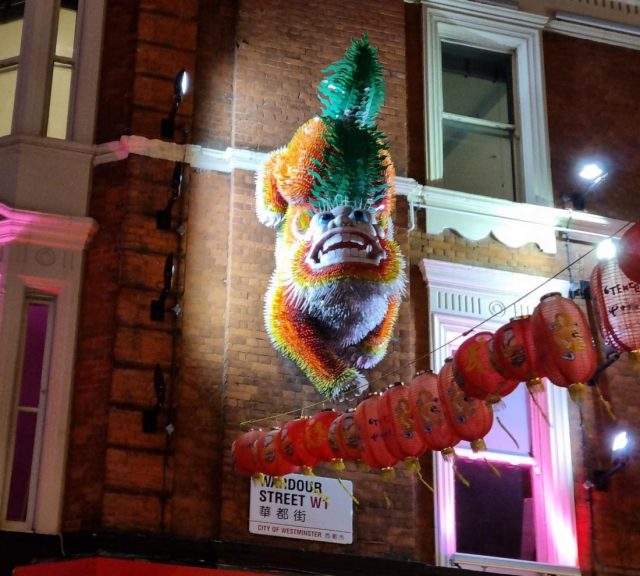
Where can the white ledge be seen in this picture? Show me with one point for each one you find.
(197, 157)
(28, 227)
(512, 565)
(473, 217)
(514, 224)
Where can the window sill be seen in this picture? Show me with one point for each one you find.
(510, 566)
(511, 223)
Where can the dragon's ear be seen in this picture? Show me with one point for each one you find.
(286, 177)
(270, 205)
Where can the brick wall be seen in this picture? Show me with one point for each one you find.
(119, 476)
(592, 109)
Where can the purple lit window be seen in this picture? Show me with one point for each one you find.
(29, 411)
(494, 515)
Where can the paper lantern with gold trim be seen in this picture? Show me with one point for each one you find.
(428, 414)
(316, 434)
(629, 253)
(470, 418)
(616, 300)
(373, 448)
(293, 445)
(268, 455)
(344, 439)
(398, 426)
(243, 454)
(513, 352)
(564, 343)
(476, 375)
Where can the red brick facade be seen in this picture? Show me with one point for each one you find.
(255, 65)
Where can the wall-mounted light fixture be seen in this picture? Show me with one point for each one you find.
(158, 307)
(593, 175)
(180, 88)
(606, 249)
(620, 452)
(163, 217)
(150, 415)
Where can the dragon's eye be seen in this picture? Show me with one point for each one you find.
(359, 216)
(326, 217)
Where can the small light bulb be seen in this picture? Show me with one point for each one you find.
(591, 172)
(184, 83)
(606, 250)
(620, 441)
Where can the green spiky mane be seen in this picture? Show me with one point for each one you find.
(351, 170)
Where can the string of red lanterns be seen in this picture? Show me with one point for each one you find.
(436, 411)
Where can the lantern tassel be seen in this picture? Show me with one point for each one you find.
(448, 454)
(259, 478)
(478, 445)
(387, 474)
(387, 500)
(355, 500)
(533, 395)
(337, 464)
(421, 478)
(634, 359)
(513, 438)
(279, 482)
(607, 405)
(461, 477)
(535, 386)
(412, 464)
(307, 470)
(323, 497)
(493, 468)
(362, 466)
(577, 391)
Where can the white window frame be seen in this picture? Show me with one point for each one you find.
(504, 30)
(35, 69)
(460, 297)
(40, 253)
(49, 301)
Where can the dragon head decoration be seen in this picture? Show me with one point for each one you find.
(335, 293)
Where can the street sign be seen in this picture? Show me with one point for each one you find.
(306, 507)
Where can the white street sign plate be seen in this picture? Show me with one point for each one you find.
(307, 508)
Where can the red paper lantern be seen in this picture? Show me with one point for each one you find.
(316, 434)
(616, 300)
(564, 342)
(293, 445)
(242, 452)
(344, 438)
(513, 352)
(476, 375)
(428, 413)
(397, 424)
(629, 253)
(470, 418)
(373, 448)
(268, 455)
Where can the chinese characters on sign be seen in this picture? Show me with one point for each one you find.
(307, 508)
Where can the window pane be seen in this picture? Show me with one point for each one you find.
(66, 32)
(37, 317)
(11, 32)
(490, 525)
(514, 415)
(21, 468)
(478, 160)
(59, 103)
(476, 83)
(8, 78)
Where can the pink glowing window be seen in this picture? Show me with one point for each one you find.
(29, 412)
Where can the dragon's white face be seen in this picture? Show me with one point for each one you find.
(344, 234)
